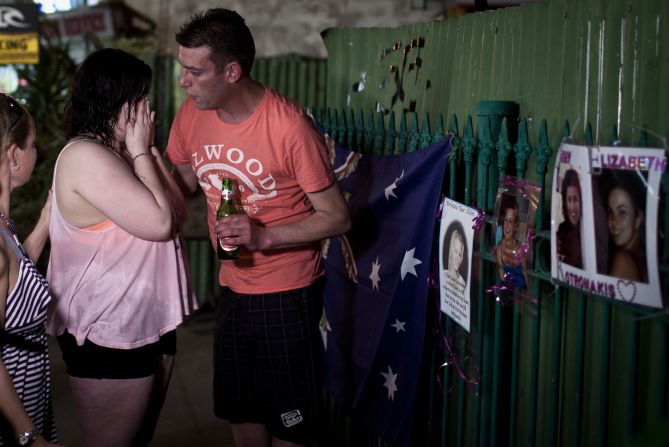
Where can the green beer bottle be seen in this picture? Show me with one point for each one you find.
(226, 208)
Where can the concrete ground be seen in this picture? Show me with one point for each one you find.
(187, 418)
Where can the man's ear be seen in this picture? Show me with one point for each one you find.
(233, 72)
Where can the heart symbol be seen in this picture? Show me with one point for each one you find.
(626, 290)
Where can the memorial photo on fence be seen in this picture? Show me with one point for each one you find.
(624, 196)
(569, 245)
(456, 238)
(512, 230)
(610, 219)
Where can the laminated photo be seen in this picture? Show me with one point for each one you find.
(513, 221)
(456, 242)
(604, 221)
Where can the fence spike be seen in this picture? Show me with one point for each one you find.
(469, 146)
(391, 134)
(456, 141)
(342, 128)
(543, 150)
(425, 136)
(404, 135)
(378, 134)
(360, 132)
(522, 148)
(413, 134)
(350, 126)
(503, 148)
(453, 126)
(334, 126)
(369, 134)
(439, 129)
(486, 144)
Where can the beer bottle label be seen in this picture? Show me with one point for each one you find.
(227, 247)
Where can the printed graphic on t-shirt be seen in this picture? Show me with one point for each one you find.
(215, 160)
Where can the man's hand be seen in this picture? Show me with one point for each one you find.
(239, 229)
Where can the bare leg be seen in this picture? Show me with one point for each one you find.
(162, 381)
(111, 411)
(249, 434)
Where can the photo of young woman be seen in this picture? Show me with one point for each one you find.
(455, 255)
(624, 196)
(569, 231)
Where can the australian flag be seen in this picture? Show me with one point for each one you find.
(375, 299)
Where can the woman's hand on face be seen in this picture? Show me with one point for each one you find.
(139, 129)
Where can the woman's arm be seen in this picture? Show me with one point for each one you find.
(173, 190)
(93, 184)
(34, 243)
(11, 406)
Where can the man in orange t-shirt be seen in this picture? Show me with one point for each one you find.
(266, 345)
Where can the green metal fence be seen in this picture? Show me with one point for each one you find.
(573, 370)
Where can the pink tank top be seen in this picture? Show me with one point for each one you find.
(113, 288)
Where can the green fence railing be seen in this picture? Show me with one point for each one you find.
(572, 370)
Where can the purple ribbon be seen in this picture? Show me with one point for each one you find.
(515, 295)
(479, 219)
(524, 248)
(451, 359)
(524, 187)
(442, 199)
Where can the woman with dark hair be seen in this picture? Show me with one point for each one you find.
(625, 211)
(26, 415)
(116, 268)
(569, 231)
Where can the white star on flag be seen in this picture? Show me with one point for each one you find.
(374, 276)
(390, 382)
(324, 327)
(399, 325)
(409, 263)
(390, 189)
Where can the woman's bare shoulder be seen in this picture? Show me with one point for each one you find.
(623, 265)
(84, 150)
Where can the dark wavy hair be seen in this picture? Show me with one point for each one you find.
(105, 81)
(570, 179)
(15, 123)
(224, 32)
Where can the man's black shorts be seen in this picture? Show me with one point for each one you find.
(267, 360)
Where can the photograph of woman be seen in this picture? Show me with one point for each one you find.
(569, 231)
(510, 259)
(455, 255)
(624, 194)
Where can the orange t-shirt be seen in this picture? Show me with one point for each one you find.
(276, 156)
